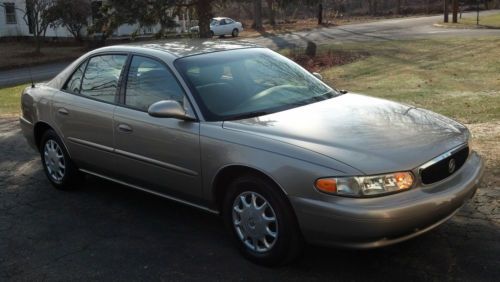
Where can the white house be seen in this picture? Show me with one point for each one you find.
(12, 23)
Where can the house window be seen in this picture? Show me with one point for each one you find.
(10, 13)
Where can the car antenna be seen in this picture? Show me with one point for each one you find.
(31, 77)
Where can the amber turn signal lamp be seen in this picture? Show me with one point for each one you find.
(327, 185)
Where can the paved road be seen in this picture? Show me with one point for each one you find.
(385, 30)
(407, 28)
(24, 75)
(108, 232)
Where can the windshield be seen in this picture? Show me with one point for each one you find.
(251, 82)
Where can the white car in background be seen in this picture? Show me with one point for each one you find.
(222, 26)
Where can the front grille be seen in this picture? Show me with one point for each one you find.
(445, 167)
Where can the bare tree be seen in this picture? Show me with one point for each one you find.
(446, 12)
(38, 16)
(373, 7)
(320, 13)
(455, 10)
(73, 15)
(257, 14)
(270, 7)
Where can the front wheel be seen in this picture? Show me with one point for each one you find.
(235, 32)
(56, 162)
(262, 221)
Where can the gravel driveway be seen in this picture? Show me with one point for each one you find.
(105, 231)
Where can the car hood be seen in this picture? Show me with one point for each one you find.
(370, 134)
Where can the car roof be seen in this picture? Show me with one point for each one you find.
(220, 18)
(181, 48)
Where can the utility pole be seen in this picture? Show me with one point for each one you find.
(477, 8)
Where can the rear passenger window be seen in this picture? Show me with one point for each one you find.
(74, 83)
(148, 82)
(101, 77)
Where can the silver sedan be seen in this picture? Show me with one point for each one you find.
(241, 131)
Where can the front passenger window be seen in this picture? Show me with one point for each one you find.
(101, 77)
(148, 82)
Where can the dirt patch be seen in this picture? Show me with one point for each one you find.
(326, 59)
(486, 141)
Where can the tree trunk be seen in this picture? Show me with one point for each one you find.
(270, 6)
(257, 14)
(446, 2)
(38, 48)
(455, 11)
(203, 10)
(398, 7)
(320, 14)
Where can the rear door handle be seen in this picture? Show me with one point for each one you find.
(63, 111)
(125, 128)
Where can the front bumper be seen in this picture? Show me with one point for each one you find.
(376, 222)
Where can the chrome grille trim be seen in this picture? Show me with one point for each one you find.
(442, 157)
(438, 159)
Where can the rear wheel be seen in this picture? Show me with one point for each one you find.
(235, 32)
(56, 162)
(261, 221)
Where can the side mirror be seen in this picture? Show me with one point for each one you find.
(168, 109)
(318, 75)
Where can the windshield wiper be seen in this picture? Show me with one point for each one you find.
(249, 115)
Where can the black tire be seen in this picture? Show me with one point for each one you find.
(235, 32)
(289, 243)
(71, 175)
(212, 34)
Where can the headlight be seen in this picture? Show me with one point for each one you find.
(363, 186)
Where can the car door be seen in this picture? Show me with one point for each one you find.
(83, 111)
(229, 26)
(216, 27)
(159, 154)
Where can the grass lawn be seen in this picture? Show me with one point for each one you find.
(490, 20)
(10, 100)
(456, 77)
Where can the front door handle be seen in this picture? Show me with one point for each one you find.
(63, 111)
(125, 128)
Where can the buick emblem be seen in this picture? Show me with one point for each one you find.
(451, 166)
